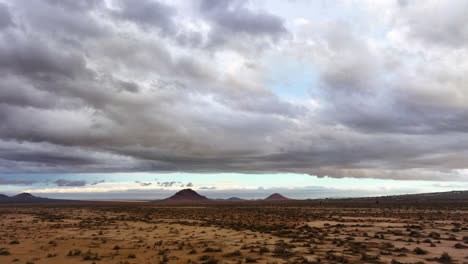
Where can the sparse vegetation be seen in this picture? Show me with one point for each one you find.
(246, 234)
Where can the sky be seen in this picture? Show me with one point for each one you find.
(106, 98)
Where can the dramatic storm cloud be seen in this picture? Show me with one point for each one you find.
(366, 89)
(63, 182)
(16, 181)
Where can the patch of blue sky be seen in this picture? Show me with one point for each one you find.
(292, 78)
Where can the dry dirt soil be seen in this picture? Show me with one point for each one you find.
(287, 232)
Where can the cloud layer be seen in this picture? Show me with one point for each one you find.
(115, 86)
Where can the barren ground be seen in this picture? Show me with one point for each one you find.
(232, 233)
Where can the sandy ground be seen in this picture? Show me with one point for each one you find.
(127, 235)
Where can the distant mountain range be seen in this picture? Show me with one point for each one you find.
(189, 195)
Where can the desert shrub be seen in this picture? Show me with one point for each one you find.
(445, 257)
(4, 252)
(264, 250)
(388, 245)
(250, 260)
(434, 235)
(211, 261)
(282, 252)
(394, 261)
(364, 256)
(210, 250)
(131, 256)
(89, 256)
(337, 258)
(14, 242)
(116, 247)
(460, 246)
(74, 252)
(245, 247)
(233, 254)
(420, 251)
(163, 252)
(193, 251)
(165, 259)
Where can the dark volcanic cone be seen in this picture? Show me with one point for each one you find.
(187, 195)
(276, 197)
(24, 197)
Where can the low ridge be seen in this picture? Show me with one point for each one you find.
(235, 199)
(28, 198)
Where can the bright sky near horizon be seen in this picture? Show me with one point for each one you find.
(106, 98)
(226, 185)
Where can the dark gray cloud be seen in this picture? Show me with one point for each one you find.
(97, 182)
(69, 183)
(148, 14)
(70, 24)
(232, 15)
(119, 86)
(144, 184)
(231, 20)
(15, 181)
(5, 17)
(207, 188)
(170, 184)
(76, 6)
(447, 26)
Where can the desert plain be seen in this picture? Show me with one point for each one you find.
(326, 231)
